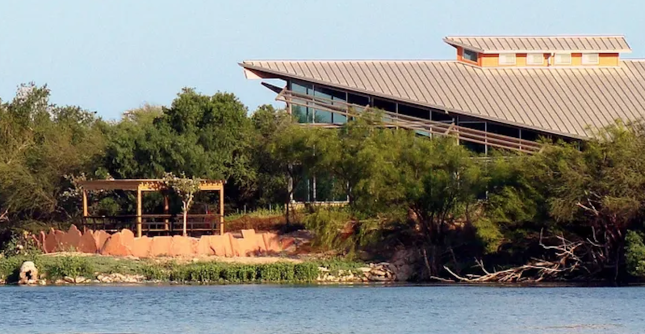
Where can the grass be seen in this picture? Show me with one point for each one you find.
(258, 213)
(202, 272)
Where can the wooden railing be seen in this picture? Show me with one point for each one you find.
(421, 125)
(156, 224)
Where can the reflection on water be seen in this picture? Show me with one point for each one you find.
(322, 309)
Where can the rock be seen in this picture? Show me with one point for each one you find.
(42, 282)
(80, 279)
(59, 281)
(323, 269)
(377, 272)
(68, 279)
(28, 273)
(104, 279)
(379, 279)
(364, 269)
(118, 278)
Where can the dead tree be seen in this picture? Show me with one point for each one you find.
(571, 261)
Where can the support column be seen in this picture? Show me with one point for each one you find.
(166, 210)
(221, 211)
(85, 203)
(139, 220)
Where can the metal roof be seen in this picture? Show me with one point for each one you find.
(613, 44)
(563, 101)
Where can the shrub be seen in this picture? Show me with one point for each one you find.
(635, 254)
(305, 272)
(72, 266)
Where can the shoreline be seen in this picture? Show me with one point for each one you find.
(75, 269)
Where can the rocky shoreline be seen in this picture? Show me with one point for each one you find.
(371, 273)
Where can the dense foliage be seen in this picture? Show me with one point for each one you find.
(404, 190)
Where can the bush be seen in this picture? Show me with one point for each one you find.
(635, 254)
(305, 272)
(10, 268)
(72, 266)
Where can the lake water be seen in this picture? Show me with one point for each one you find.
(321, 309)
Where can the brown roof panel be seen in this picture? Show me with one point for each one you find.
(563, 101)
(542, 44)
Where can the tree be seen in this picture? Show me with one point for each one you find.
(597, 193)
(271, 185)
(292, 151)
(41, 145)
(201, 135)
(185, 188)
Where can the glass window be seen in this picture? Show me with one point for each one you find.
(302, 113)
(590, 59)
(503, 130)
(562, 58)
(475, 147)
(507, 59)
(303, 189)
(413, 111)
(442, 117)
(385, 105)
(337, 98)
(535, 59)
(322, 116)
(358, 100)
(470, 55)
(529, 135)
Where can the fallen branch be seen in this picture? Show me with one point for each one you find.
(568, 260)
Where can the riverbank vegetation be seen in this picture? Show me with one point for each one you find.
(98, 269)
(574, 211)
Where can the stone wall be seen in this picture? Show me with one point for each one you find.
(124, 243)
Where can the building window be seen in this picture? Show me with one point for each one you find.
(507, 59)
(470, 55)
(535, 59)
(562, 58)
(590, 59)
(303, 114)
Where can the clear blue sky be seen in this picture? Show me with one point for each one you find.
(110, 56)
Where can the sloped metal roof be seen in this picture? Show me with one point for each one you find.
(564, 101)
(613, 44)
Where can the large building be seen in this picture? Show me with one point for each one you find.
(498, 91)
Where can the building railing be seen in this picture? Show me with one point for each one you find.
(156, 224)
(421, 125)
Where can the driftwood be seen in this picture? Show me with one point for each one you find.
(4, 216)
(568, 263)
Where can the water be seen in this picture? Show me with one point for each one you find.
(321, 309)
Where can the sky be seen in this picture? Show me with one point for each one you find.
(112, 56)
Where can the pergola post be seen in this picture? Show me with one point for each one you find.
(85, 214)
(221, 210)
(166, 210)
(139, 220)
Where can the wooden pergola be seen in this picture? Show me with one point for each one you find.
(154, 223)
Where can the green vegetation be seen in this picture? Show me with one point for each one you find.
(578, 204)
(54, 268)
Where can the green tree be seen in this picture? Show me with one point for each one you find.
(292, 151)
(185, 188)
(271, 183)
(597, 193)
(201, 135)
(41, 146)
